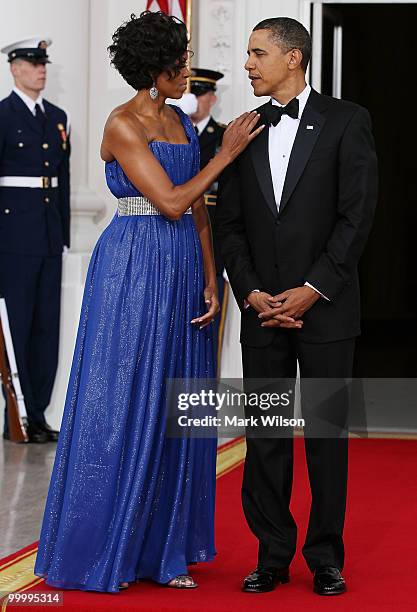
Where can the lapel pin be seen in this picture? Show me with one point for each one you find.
(210, 129)
(310, 127)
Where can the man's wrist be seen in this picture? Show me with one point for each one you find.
(319, 293)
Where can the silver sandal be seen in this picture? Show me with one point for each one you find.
(183, 581)
(123, 586)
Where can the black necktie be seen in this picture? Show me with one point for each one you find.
(197, 131)
(274, 113)
(40, 116)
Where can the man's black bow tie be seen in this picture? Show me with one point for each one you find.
(274, 113)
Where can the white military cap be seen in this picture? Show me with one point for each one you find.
(31, 49)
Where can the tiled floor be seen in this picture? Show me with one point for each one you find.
(25, 471)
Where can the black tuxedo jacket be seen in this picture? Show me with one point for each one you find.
(324, 219)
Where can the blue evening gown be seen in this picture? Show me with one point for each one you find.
(124, 501)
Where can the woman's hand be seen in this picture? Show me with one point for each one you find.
(238, 134)
(212, 301)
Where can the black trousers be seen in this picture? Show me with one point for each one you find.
(31, 286)
(268, 473)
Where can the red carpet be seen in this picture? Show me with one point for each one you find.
(380, 535)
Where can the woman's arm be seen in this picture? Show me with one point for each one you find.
(202, 222)
(125, 139)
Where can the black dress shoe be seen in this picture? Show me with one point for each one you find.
(51, 433)
(36, 433)
(328, 581)
(262, 579)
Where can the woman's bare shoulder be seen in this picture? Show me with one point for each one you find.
(122, 124)
(125, 121)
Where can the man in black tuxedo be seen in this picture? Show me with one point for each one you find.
(294, 212)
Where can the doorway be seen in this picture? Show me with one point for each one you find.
(368, 56)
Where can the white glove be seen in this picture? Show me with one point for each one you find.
(188, 103)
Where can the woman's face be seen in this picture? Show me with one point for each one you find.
(174, 86)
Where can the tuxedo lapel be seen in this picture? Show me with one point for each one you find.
(21, 108)
(311, 123)
(260, 158)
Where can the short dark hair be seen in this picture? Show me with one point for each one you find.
(288, 34)
(148, 45)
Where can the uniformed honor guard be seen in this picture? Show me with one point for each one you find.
(34, 226)
(210, 134)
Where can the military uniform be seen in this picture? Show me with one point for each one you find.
(210, 134)
(210, 142)
(34, 227)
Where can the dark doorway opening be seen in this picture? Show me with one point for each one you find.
(378, 72)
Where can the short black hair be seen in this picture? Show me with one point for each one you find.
(148, 45)
(288, 34)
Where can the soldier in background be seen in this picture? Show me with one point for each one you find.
(34, 226)
(210, 134)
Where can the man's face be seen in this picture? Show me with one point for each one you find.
(205, 103)
(267, 64)
(28, 75)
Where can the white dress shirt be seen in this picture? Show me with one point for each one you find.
(30, 103)
(281, 140)
(201, 125)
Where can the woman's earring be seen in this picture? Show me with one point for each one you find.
(153, 92)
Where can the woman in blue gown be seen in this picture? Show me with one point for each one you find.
(125, 502)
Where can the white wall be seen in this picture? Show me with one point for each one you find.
(67, 84)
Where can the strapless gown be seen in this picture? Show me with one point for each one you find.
(125, 502)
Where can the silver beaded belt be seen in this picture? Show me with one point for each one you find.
(139, 206)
